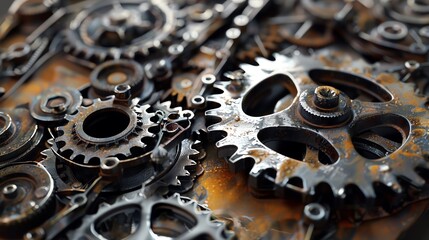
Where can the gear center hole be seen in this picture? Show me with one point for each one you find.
(106, 123)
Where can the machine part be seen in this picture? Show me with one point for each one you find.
(64, 179)
(180, 175)
(410, 11)
(109, 127)
(177, 174)
(77, 207)
(384, 142)
(20, 57)
(19, 134)
(51, 106)
(112, 30)
(151, 218)
(379, 37)
(27, 195)
(107, 75)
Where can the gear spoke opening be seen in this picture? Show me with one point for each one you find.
(271, 95)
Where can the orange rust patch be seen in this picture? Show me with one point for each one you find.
(259, 154)
(385, 78)
(286, 169)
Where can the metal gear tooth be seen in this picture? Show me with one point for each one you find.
(414, 178)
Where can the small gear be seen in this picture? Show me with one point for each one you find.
(383, 142)
(105, 128)
(107, 75)
(19, 134)
(27, 195)
(179, 176)
(116, 29)
(151, 218)
(52, 105)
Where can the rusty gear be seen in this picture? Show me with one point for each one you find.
(26, 197)
(357, 153)
(51, 106)
(150, 218)
(105, 128)
(129, 28)
(19, 134)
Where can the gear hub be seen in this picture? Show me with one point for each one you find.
(325, 107)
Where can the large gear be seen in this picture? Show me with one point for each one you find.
(114, 29)
(150, 218)
(105, 128)
(351, 152)
(26, 198)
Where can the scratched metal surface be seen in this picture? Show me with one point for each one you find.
(225, 192)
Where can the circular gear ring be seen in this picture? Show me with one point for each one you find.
(120, 29)
(150, 218)
(356, 153)
(19, 134)
(26, 196)
(104, 129)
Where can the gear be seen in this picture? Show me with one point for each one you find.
(410, 11)
(115, 29)
(307, 25)
(26, 197)
(179, 176)
(107, 75)
(384, 141)
(19, 134)
(105, 128)
(151, 218)
(52, 105)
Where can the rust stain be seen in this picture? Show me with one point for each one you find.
(286, 169)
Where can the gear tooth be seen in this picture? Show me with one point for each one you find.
(412, 177)
(65, 148)
(212, 113)
(215, 127)
(263, 61)
(223, 143)
(104, 205)
(236, 157)
(73, 155)
(368, 191)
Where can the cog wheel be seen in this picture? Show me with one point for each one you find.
(19, 134)
(105, 128)
(26, 196)
(107, 75)
(351, 129)
(150, 218)
(52, 105)
(115, 29)
(179, 176)
(412, 11)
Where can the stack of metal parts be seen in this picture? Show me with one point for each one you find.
(226, 119)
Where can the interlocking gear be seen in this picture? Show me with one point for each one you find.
(382, 138)
(105, 128)
(151, 218)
